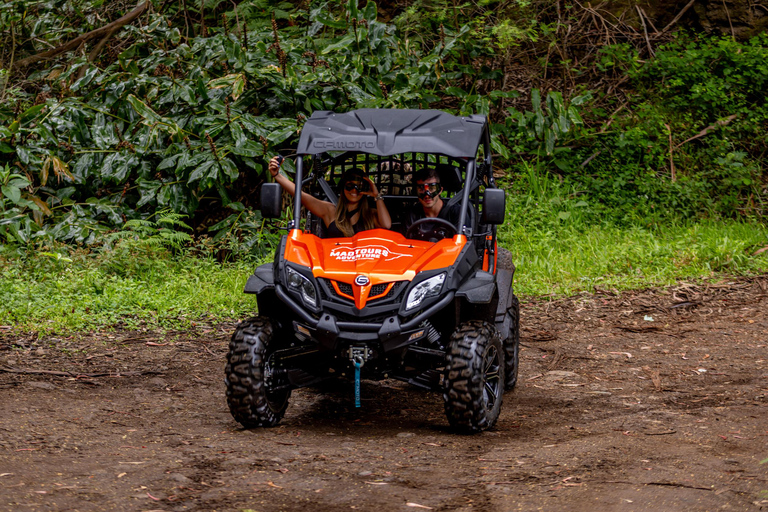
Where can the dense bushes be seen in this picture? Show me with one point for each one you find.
(691, 139)
(181, 115)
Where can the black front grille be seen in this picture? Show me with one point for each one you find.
(391, 295)
(328, 292)
(378, 289)
(345, 288)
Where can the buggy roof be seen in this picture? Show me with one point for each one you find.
(387, 132)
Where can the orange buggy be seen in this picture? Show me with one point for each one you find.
(429, 303)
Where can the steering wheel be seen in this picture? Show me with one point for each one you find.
(431, 229)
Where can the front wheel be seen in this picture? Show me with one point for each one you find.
(255, 395)
(474, 378)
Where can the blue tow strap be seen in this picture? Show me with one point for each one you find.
(358, 365)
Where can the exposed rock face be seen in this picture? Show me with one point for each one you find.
(740, 18)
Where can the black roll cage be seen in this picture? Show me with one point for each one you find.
(333, 164)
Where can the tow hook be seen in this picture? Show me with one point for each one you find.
(358, 356)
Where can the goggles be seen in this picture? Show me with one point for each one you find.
(360, 186)
(428, 189)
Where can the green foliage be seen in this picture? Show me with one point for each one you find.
(558, 240)
(556, 120)
(184, 123)
(563, 243)
(163, 233)
(183, 108)
(15, 226)
(699, 109)
(129, 287)
(244, 236)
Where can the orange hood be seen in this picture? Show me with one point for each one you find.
(381, 255)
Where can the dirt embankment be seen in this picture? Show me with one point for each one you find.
(655, 400)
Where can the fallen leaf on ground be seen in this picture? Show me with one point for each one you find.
(376, 483)
(416, 505)
(273, 485)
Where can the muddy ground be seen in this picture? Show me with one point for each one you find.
(653, 400)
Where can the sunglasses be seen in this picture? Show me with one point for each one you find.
(360, 186)
(431, 189)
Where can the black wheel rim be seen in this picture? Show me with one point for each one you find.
(276, 398)
(491, 377)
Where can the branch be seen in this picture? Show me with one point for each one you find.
(645, 30)
(709, 128)
(672, 172)
(76, 42)
(679, 15)
(10, 68)
(95, 52)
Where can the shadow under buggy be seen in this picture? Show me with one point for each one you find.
(430, 303)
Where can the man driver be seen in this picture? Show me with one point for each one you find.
(430, 204)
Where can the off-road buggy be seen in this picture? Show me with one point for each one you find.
(430, 303)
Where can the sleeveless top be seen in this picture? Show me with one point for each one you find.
(333, 231)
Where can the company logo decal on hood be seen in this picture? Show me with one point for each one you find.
(371, 252)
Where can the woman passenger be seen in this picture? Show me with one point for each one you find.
(353, 213)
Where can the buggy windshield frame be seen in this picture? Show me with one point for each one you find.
(427, 137)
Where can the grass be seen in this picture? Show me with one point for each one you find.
(560, 242)
(133, 287)
(570, 259)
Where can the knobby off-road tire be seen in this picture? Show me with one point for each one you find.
(512, 346)
(504, 260)
(473, 385)
(250, 399)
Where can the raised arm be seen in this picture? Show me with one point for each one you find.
(322, 209)
(383, 220)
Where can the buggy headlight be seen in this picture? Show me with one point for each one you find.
(428, 288)
(303, 286)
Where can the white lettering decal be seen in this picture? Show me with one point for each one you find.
(372, 252)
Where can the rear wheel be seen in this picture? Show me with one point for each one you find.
(512, 346)
(504, 260)
(255, 396)
(473, 385)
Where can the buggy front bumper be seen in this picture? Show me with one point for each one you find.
(328, 331)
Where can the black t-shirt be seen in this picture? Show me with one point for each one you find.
(451, 214)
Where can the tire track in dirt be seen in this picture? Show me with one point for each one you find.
(612, 411)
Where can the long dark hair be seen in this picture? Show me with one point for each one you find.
(366, 212)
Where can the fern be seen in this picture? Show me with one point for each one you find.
(165, 232)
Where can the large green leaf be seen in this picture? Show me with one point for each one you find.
(200, 171)
(28, 115)
(341, 44)
(329, 21)
(12, 193)
(149, 115)
(249, 149)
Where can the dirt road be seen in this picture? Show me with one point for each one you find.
(654, 400)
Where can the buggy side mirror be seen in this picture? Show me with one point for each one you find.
(271, 200)
(494, 202)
